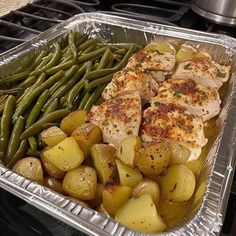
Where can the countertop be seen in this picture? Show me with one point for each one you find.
(8, 5)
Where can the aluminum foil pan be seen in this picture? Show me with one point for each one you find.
(209, 202)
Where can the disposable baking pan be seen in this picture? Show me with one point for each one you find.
(208, 206)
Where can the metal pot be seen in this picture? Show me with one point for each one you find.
(220, 11)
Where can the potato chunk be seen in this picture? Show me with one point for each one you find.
(128, 176)
(153, 159)
(104, 160)
(140, 214)
(81, 183)
(30, 168)
(114, 196)
(86, 135)
(52, 170)
(66, 155)
(72, 121)
(52, 136)
(147, 186)
(53, 184)
(178, 184)
(127, 148)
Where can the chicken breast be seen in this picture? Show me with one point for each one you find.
(118, 118)
(197, 99)
(204, 71)
(152, 60)
(128, 80)
(169, 121)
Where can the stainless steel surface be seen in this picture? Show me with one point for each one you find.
(221, 11)
(207, 213)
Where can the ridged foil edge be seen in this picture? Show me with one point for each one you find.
(209, 218)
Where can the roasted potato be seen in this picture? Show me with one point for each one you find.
(114, 196)
(147, 186)
(185, 53)
(53, 183)
(160, 47)
(127, 148)
(178, 184)
(86, 135)
(72, 121)
(104, 161)
(30, 168)
(98, 196)
(153, 159)
(127, 175)
(66, 155)
(52, 136)
(52, 170)
(179, 154)
(81, 183)
(140, 214)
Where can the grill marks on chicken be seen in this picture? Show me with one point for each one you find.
(197, 99)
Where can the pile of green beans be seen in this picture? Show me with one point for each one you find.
(65, 77)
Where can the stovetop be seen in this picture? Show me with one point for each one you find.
(17, 217)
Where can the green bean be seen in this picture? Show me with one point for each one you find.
(117, 45)
(88, 44)
(67, 76)
(73, 93)
(97, 82)
(99, 101)
(102, 72)
(38, 82)
(15, 78)
(28, 82)
(94, 97)
(95, 54)
(29, 98)
(19, 154)
(48, 125)
(89, 66)
(15, 141)
(6, 122)
(121, 51)
(37, 127)
(62, 66)
(10, 91)
(66, 87)
(37, 108)
(81, 40)
(95, 66)
(71, 41)
(111, 61)
(54, 60)
(44, 61)
(89, 49)
(40, 57)
(105, 59)
(34, 153)
(84, 100)
(33, 143)
(52, 107)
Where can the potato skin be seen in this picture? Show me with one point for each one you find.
(104, 161)
(52, 170)
(153, 159)
(29, 167)
(81, 183)
(53, 184)
(86, 135)
(178, 184)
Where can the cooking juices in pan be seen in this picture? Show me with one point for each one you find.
(155, 153)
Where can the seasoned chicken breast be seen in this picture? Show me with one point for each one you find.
(197, 99)
(204, 71)
(152, 59)
(118, 118)
(169, 121)
(131, 81)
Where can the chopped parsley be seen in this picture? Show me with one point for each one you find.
(220, 74)
(158, 52)
(177, 94)
(186, 66)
